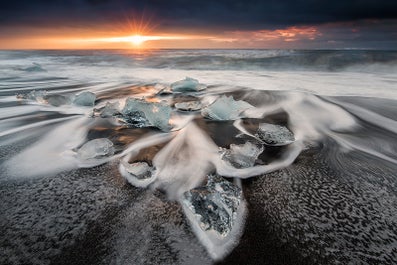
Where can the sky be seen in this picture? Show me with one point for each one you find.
(270, 24)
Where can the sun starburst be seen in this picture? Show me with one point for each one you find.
(137, 40)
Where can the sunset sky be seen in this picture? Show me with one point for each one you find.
(102, 24)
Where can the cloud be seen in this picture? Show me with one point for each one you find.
(359, 34)
(221, 14)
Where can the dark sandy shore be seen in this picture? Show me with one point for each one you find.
(296, 216)
(329, 207)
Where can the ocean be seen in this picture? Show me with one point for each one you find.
(75, 123)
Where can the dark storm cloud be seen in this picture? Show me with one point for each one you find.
(223, 14)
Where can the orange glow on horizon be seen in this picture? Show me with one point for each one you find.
(138, 33)
(127, 38)
(134, 41)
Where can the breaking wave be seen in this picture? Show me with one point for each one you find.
(279, 60)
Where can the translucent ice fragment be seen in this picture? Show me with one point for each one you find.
(243, 155)
(188, 106)
(34, 68)
(139, 174)
(85, 98)
(225, 108)
(141, 113)
(57, 100)
(110, 110)
(96, 149)
(35, 95)
(43, 97)
(273, 134)
(136, 119)
(187, 85)
(163, 89)
(214, 205)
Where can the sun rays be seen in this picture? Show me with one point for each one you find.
(140, 27)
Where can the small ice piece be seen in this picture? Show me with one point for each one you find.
(110, 110)
(243, 155)
(43, 97)
(141, 113)
(225, 108)
(273, 134)
(187, 85)
(163, 89)
(34, 68)
(215, 205)
(188, 106)
(85, 98)
(139, 174)
(136, 119)
(57, 100)
(96, 149)
(35, 95)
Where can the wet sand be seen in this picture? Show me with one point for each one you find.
(327, 207)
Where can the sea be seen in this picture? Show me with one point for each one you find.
(329, 196)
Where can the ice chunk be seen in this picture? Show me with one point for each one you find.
(43, 97)
(163, 89)
(136, 119)
(243, 155)
(187, 85)
(96, 149)
(188, 106)
(35, 95)
(141, 113)
(110, 110)
(34, 68)
(85, 98)
(273, 134)
(57, 100)
(139, 174)
(214, 205)
(225, 108)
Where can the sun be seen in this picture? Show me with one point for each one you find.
(136, 34)
(137, 39)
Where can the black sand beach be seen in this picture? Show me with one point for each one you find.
(327, 207)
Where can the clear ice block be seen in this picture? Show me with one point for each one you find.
(85, 98)
(141, 113)
(214, 205)
(96, 149)
(187, 85)
(273, 134)
(225, 108)
(243, 155)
